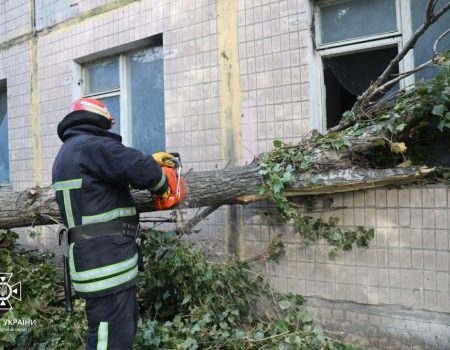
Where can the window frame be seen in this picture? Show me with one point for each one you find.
(125, 115)
(354, 45)
(121, 51)
(368, 38)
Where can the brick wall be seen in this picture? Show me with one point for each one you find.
(407, 264)
(15, 68)
(273, 39)
(15, 19)
(382, 327)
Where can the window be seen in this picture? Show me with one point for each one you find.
(356, 39)
(132, 87)
(4, 148)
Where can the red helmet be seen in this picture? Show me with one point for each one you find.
(94, 106)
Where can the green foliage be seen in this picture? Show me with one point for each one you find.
(41, 302)
(429, 101)
(186, 302)
(278, 169)
(198, 304)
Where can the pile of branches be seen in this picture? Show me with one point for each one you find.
(186, 302)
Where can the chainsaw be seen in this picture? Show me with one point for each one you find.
(176, 184)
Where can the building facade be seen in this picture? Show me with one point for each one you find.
(219, 81)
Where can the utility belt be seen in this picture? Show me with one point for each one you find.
(102, 229)
(88, 231)
(98, 229)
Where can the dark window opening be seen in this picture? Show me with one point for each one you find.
(4, 148)
(347, 76)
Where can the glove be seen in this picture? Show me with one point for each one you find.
(163, 158)
(165, 196)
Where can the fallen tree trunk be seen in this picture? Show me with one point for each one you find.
(387, 148)
(237, 185)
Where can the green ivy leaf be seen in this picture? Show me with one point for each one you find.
(400, 127)
(284, 304)
(195, 328)
(347, 114)
(438, 110)
(370, 234)
(333, 253)
(305, 316)
(335, 235)
(333, 220)
(190, 343)
(262, 191)
(259, 335)
(186, 300)
(328, 202)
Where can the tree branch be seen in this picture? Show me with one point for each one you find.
(435, 52)
(424, 65)
(403, 75)
(187, 227)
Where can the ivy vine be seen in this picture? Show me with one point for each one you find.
(278, 169)
(428, 101)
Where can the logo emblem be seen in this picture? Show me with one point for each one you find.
(8, 291)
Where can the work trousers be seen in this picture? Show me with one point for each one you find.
(112, 321)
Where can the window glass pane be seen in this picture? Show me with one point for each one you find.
(113, 105)
(102, 76)
(147, 99)
(4, 149)
(356, 19)
(424, 47)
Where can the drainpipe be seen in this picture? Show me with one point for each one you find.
(35, 116)
(33, 17)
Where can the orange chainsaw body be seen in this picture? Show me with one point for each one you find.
(177, 189)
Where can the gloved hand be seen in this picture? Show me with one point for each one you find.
(163, 158)
(165, 196)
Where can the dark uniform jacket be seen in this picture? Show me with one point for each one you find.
(92, 176)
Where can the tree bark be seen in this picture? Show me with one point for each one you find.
(236, 185)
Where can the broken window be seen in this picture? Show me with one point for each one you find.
(4, 148)
(347, 76)
(356, 40)
(132, 87)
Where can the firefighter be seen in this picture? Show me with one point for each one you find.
(92, 176)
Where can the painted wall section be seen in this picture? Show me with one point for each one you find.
(230, 113)
(230, 88)
(35, 117)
